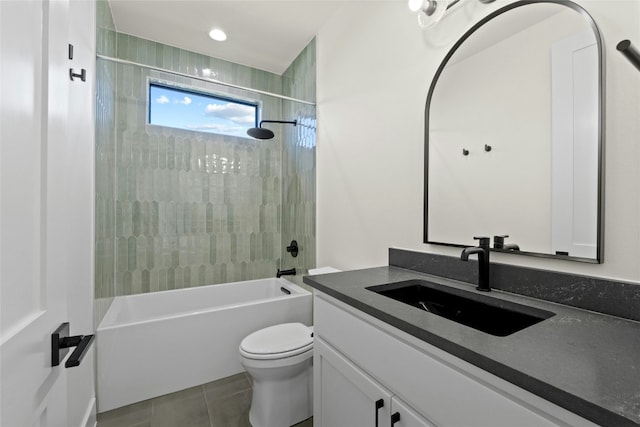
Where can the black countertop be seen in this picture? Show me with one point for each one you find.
(586, 362)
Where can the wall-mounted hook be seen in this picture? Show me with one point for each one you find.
(82, 75)
(465, 152)
(487, 148)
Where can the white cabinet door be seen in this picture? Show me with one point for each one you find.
(344, 395)
(403, 416)
(428, 379)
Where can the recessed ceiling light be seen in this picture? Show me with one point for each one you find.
(218, 35)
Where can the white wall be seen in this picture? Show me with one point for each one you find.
(375, 66)
(515, 74)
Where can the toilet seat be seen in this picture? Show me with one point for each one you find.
(277, 342)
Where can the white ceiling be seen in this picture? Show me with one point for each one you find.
(263, 34)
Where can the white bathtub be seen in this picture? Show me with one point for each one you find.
(153, 344)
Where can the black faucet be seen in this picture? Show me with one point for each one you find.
(498, 243)
(290, 272)
(483, 261)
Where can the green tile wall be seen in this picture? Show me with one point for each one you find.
(192, 208)
(105, 162)
(177, 208)
(154, 54)
(299, 162)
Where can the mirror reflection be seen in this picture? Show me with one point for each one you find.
(514, 135)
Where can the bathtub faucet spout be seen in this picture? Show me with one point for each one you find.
(290, 272)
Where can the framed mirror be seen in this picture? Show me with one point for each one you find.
(514, 135)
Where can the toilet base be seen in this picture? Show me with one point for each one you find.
(282, 403)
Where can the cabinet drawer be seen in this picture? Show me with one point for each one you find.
(434, 388)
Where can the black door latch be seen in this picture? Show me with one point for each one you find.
(61, 342)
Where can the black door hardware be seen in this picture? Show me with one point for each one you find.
(395, 418)
(82, 75)
(293, 248)
(379, 404)
(73, 75)
(61, 342)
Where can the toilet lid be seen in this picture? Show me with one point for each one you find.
(289, 338)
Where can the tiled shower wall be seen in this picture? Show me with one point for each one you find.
(105, 161)
(192, 208)
(299, 163)
(178, 208)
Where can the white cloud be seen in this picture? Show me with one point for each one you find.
(185, 101)
(162, 100)
(237, 113)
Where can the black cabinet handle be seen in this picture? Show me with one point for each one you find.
(379, 404)
(395, 418)
(61, 342)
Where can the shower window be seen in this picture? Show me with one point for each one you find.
(203, 112)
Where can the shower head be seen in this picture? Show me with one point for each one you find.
(262, 133)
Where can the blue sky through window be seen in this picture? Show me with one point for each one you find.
(184, 109)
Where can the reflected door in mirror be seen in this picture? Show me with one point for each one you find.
(521, 95)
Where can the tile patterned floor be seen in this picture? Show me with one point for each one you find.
(222, 403)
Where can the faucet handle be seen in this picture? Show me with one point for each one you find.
(484, 241)
(498, 241)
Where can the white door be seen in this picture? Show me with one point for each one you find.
(344, 395)
(574, 146)
(37, 244)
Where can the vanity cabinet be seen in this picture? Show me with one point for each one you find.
(360, 360)
(349, 397)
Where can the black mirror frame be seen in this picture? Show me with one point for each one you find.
(601, 129)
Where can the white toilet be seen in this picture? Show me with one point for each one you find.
(279, 360)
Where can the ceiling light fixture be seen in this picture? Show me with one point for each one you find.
(218, 35)
(430, 12)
